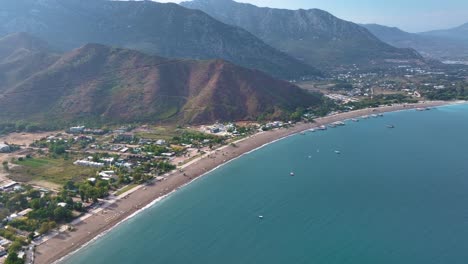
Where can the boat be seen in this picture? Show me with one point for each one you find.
(355, 120)
(390, 126)
(339, 123)
(374, 116)
(303, 133)
(260, 216)
(337, 152)
(323, 128)
(380, 115)
(332, 125)
(312, 130)
(365, 117)
(292, 174)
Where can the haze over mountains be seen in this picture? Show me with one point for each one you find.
(167, 30)
(104, 84)
(451, 44)
(457, 33)
(313, 36)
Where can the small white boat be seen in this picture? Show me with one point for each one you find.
(337, 152)
(355, 120)
(339, 123)
(260, 216)
(291, 174)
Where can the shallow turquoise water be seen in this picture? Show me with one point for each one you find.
(392, 196)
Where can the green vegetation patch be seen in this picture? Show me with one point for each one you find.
(57, 171)
(33, 163)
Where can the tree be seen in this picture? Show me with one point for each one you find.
(70, 185)
(5, 166)
(13, 259)
(33, 194)
(52, 225)
(35, 204)
(61, 214)
(44, 228)
(15, 247)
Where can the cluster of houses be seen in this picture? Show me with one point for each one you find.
(341, 98)
(220, 129)
(272, 125)
(89, 163)
(11, 186)
(84, 130)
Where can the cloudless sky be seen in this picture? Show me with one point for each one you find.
(409, 15)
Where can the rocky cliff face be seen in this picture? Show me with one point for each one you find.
(313, 36)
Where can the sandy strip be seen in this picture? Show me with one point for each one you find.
(117, 211)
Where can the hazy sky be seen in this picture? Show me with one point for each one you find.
(410, 15)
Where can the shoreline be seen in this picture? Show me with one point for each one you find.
(101, 221)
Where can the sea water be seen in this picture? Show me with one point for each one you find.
(391, 196)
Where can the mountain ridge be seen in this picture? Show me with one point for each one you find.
(456, 33)
(106, 84)
(431, 46)
(315, 36)
(167, 30)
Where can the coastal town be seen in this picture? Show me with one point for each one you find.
(53, 183)
(405, 83)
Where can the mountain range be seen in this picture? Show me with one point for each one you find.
(451, 44)
(167, 30)
(106, 84)
(313, 36)
(457, 33)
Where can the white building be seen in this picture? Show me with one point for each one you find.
(86, 163)
(77, 129)
(4, 148)
(107, 174)
(161, 142)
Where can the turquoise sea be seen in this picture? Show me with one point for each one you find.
(392, 196)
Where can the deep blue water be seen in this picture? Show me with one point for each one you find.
(392, 196)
